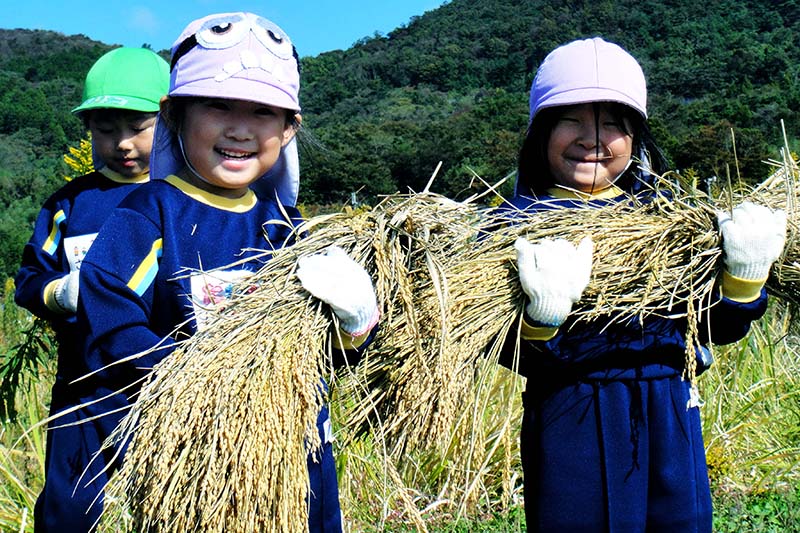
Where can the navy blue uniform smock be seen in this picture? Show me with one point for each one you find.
(610, 440)
(145, 283)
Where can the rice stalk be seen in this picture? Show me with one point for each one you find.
(470, 298)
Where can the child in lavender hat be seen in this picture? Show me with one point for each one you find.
(611, 437)
(229, 119)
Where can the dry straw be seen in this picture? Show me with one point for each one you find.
(220, 433)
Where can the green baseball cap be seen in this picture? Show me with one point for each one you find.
(126, 78)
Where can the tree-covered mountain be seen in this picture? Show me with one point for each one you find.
(451, 86)
(41, 79)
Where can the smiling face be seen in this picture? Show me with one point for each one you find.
(588, 150)
(123, 139)
(232, 143)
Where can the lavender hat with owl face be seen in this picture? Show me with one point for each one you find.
(238, 56)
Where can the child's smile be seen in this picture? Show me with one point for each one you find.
(229, 144)
(233, 154)
(235, 160)
(588, 152)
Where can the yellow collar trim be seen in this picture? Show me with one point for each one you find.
(236, 205)
(566, 193)
(119, 178)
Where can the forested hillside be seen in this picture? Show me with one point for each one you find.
(451, 86)
(41, 79)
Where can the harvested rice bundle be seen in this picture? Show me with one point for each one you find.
(648, 257)
(410, 359)
(220, 433)
(205, 455)
(781, 190)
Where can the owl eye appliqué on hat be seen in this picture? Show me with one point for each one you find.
(228, 31)
(273, 38)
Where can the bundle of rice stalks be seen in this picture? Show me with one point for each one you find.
(781, 190)
(649, 258)
(219, 435)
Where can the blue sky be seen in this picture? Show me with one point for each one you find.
(315, 26)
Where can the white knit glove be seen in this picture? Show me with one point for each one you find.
(753, 237)
(343, 284)
(66, 292)
(554, 274)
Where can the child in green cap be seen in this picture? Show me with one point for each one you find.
(121, 97)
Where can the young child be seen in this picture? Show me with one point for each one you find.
(611, 437)
(120, 100)
(164, 256)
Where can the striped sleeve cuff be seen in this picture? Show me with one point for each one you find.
(49, 297)
(529, 332)
(344, 341)
(740, 290)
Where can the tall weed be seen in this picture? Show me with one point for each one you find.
(22, 457)
(752, 427)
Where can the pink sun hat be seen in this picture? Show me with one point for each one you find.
(588, 70)
(240, 56)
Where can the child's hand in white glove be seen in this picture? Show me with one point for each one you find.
(343, 284)
(66, 292)
(753, 237)
(554, 274)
